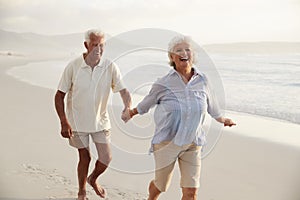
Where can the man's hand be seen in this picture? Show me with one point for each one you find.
(126, 115)
(66, 130)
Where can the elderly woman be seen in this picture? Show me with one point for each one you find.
(182, 98)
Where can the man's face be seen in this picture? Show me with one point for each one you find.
(95, 47)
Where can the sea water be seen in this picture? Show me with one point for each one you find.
(266, 85)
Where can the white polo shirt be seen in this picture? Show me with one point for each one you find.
(88, 92)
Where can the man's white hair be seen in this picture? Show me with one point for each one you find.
(178, 40)
(96, 32)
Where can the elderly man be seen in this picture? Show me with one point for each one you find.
(87, 81)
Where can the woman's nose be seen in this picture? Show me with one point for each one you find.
(184, 53)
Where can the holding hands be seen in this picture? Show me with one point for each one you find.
(127, 114)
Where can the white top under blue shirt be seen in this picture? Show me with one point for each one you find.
(180, 108)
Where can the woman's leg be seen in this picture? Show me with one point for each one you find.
(154, 192)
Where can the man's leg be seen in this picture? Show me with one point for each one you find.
(104, 158)
(189, 193)
(82, 171)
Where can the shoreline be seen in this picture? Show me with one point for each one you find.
(273, 129)
(39, 164)
(262, 116)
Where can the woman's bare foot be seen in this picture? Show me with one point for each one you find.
(82, 196)
(98, 189)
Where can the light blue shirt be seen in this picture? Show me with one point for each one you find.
(180, 108)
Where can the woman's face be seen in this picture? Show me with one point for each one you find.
(182, 55)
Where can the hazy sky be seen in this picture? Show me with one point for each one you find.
(207, 21)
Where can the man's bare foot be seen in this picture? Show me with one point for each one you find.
(98, 189)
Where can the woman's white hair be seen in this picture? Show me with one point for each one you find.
(90, 32)
(178, 40)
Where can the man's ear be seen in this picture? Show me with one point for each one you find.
(86, 45)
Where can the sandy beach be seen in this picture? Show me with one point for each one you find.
(37, 163)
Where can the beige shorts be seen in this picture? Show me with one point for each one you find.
(81, 140)
(189, 161)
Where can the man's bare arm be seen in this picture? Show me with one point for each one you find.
(125, 95)
(66, 130)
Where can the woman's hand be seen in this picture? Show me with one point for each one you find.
(226, 121)
(229, 122)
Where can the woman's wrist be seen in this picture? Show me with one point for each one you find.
(133, 112)
(221, 119)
